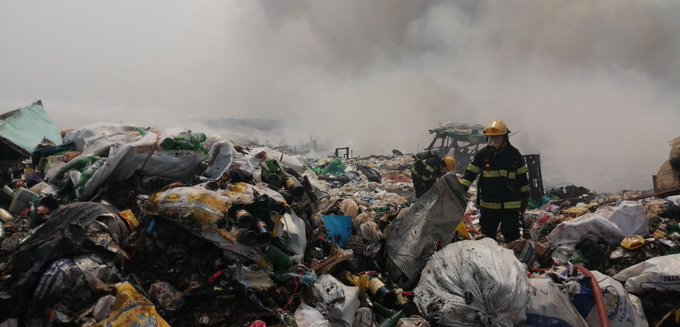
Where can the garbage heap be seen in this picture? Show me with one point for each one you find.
(118, 225)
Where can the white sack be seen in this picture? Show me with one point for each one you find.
(474, 283)
(608, 223)
(659, 273)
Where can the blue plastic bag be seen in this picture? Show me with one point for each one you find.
(338, 229)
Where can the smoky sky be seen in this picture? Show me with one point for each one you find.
(590, 85)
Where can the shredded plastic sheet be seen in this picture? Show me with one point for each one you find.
(76, 228)
(83, 275)
(413, 238)
(659, 273)
(473, 283)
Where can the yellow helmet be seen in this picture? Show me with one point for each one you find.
(496, 128)
(450, 163)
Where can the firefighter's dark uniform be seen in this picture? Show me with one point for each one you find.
(502, 190)
(426, 169)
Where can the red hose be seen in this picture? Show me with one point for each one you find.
(597, 294)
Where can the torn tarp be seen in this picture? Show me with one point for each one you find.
(412, 239)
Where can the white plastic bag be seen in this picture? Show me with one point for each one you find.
(473, 283)
(659, 273)
(306, 316)
(222, 154)
(293, 233)
(338, 302)
(175, 164)
(609, 223)
(547, 303)
(621, 309)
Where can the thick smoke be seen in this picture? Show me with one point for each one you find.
(588, 84)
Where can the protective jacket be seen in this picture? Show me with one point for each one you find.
(426, 169)
(503, 184)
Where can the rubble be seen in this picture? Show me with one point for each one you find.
(118, 223)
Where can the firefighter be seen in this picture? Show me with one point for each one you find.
(428, 167)
(503, 187)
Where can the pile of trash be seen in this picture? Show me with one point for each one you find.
(118, 225)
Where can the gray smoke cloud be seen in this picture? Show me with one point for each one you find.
(591, 85)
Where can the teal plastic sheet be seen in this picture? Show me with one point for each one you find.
(26, 127)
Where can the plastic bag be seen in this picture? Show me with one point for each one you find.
(306, 316)
(338, 229)
(132, 309)
(659, 273)
(608, 223)
(222, 155)
(349, 207)
(196, 203)
(622, 309)
(548, 305)
(175, 164)
(166, 295)
(473, 283)
(411, 239)
(338, 302)
(293, 234)
(198, 210)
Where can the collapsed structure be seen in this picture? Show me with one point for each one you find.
(115, 224)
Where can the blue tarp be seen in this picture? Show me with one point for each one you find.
(26, 127)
